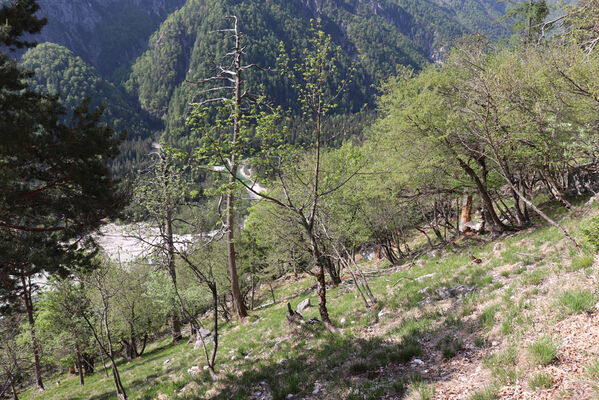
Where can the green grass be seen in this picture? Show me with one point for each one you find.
(541, 380)
(543, 351)
(580, 262)
(535, 277)
(503, 365)
(449, 347)
(592, 371)
(489, 392)
(345, 360)
(487, 318)
(577, 301)
(424, 391)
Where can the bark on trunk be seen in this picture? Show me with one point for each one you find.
(466, 213)
(79, 365)
(34, 341)
(333, 273)
(175, 321)
(494, 221)
(238, 304)
(14, 391)
(555, 190)
(120, 390)
(321, 287)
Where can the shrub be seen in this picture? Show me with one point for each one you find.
(590, 231)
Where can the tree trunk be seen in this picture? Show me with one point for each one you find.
(466, 213)
(321, 287)
(34, 341)
(555, 190)
(14, 391)
(333, 273)
(494, 221)
(120, 390)
(253, 290)
(175, 321)
(215, 334)
(238, 304)
(79, 364)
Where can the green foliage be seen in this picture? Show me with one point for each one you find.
(61, 331)
(58, 71)
(590, 232)
(489, 392)
(592, 370)
(580, 262)
(487, 318)
(528, 18)
(183, 50)
(502, 365)
(54, 168)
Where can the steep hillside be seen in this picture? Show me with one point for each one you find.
(107, 34)
(59, 71)
(387, 33)
(515, 318)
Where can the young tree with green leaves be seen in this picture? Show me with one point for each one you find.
(529, 17)
(63, 332)
(159, 195)
(299, 178)
(92, 299)
(13, 361)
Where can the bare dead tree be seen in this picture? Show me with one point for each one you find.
(231, 93)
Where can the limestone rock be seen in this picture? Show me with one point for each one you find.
(301, 307)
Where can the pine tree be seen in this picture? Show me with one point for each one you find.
(55, 183)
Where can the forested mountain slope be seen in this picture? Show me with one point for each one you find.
(386, 33)
(107, 34)
(59, 71)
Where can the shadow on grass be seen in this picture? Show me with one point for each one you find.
(372, 367)
(148, 357)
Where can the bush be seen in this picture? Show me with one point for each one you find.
(590, 231)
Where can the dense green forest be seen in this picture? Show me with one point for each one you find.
(399, 208)
(107, 34)
(383, 34)
(58, 71)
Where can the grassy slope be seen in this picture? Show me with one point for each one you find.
(530, 330)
